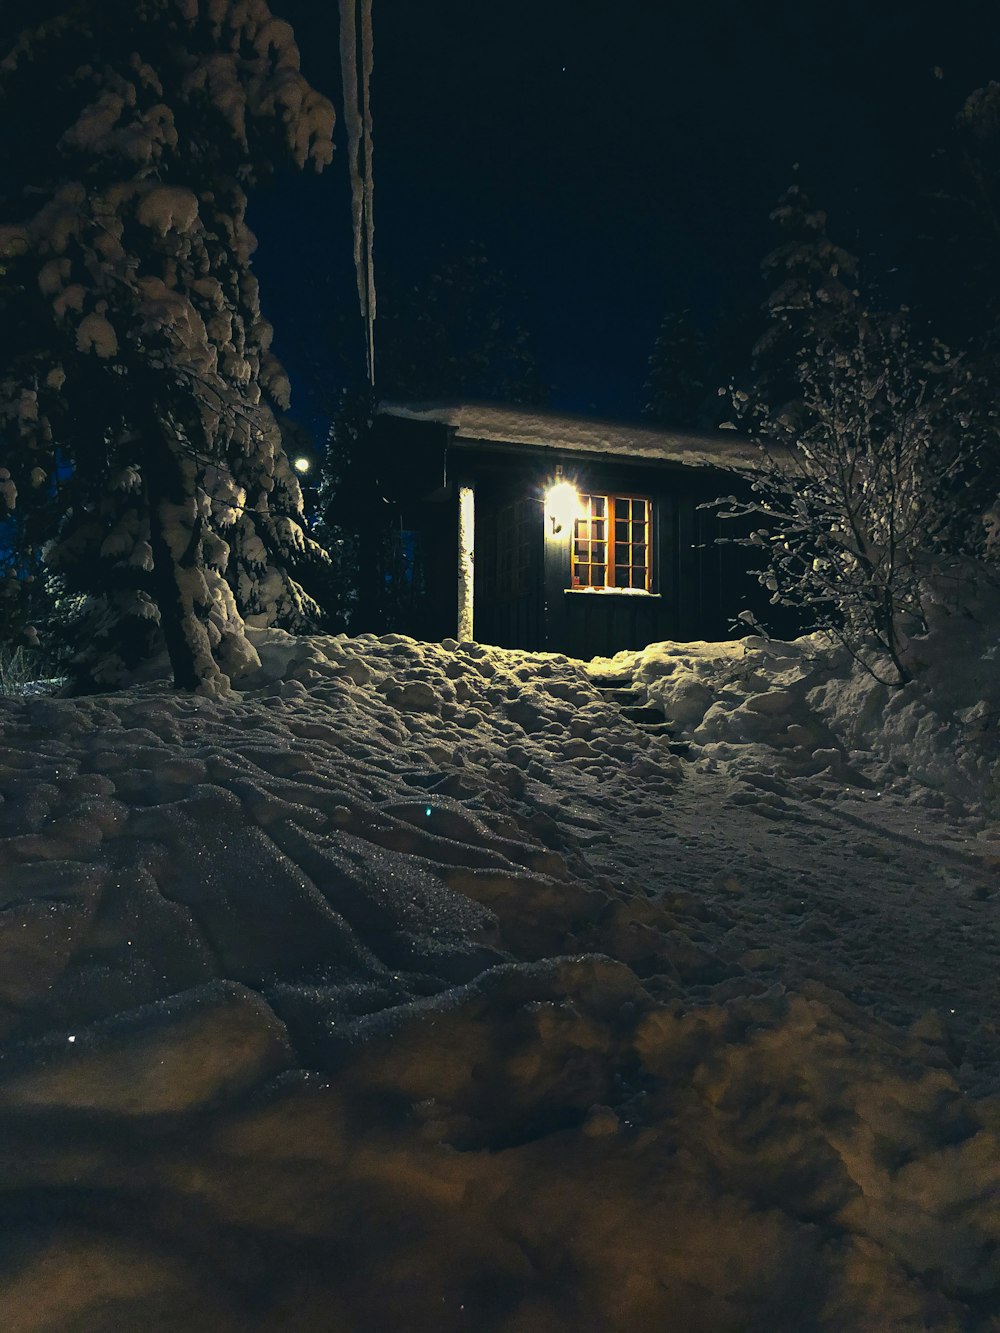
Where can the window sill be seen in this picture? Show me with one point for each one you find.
(612, 592)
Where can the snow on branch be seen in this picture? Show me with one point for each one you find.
(138, 412)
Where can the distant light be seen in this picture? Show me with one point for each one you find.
(302, 465)
(563, 504)
(74, 1039)
(428, 811)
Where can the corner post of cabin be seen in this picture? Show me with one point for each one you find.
(466, 560)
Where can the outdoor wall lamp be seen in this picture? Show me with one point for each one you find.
(562, 505)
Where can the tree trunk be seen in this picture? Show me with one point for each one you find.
(163, 487)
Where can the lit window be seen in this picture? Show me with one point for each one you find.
(611, 543)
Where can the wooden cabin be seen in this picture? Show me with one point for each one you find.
(533, 529)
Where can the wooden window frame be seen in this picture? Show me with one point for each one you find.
(589, 538)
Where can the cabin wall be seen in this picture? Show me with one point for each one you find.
(694, 584)
(522, 574)
(602, 624)
(509, 569)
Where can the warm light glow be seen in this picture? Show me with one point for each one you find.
(562, 505)
(302, 465)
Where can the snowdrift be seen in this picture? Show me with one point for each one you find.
(399, 992)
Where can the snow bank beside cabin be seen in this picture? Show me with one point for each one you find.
(807, 709)
(322, 1008)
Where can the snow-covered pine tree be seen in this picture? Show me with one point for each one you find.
(138, 390)
(813, 300)
(958, 225)
(958, 292)
(340, 498)
(458, 333)
(678, 372)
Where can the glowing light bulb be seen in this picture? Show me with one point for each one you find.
(562, 505)
(302, 465)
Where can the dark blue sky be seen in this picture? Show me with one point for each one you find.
(619, 158)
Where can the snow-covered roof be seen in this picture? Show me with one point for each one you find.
(543, 429)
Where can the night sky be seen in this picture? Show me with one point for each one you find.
(618, 159)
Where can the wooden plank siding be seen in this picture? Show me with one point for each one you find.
(509, 611)
(522, 575)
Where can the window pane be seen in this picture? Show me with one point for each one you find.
(616, 529)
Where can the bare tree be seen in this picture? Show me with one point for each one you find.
(853, 499)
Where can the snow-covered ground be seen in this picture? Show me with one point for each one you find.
(420, 986)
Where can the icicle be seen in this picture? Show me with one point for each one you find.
(358, 120)
(352, 120)
(367, 60)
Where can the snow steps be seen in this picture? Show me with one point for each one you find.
(635, 706)
(603, 683)
(619, 695)
(644, 715)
